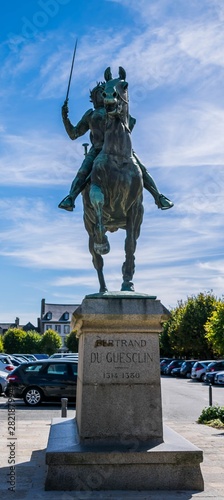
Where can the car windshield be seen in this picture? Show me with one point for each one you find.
(32, 368)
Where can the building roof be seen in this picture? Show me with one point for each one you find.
(57, 312)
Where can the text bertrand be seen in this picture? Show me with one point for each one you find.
(119, 343)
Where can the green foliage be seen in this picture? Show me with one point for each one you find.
(50, 342)
(72, 342)
(164, 341)
(1, 344)
(186, 326)
(214, 328)
(13, 340)
(210, 414)
(31, 342)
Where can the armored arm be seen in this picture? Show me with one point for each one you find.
(82, 126)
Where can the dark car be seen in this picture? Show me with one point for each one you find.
(212, 370)
(164, 363)
(41, 356)
(43, 380)
(186, 367)
(175, 372)
(176, 363)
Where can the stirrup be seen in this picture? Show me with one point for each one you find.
(67, 203)
(163, 202)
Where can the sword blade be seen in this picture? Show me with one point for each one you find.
(70, 77)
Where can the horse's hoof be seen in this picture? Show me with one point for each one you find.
(103, 289)
(102, 248)
(127, 286)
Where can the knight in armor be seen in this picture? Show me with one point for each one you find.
(94, 121)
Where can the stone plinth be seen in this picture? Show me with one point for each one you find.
(118, 388)
(117, 441)
(72, 466)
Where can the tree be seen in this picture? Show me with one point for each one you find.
(214, 328)
(164, 341)
(13, 340)
(50, 342)
(186, 328)
(72, 341)
(1, 344)
(31, 342)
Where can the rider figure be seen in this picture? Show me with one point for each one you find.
(94, 120)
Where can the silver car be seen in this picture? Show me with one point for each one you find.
(219, 378)
(198, 371)
(3, 381)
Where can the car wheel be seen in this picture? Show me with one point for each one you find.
(203, 377)
(33, 396)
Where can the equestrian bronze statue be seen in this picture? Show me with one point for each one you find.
(111, 177)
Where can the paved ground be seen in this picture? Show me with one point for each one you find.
(30, 469)
(32, 430)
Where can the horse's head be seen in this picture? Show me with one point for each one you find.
(115, 94)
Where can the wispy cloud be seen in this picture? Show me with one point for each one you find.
(38, 158)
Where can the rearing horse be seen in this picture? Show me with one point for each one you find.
(113, 199)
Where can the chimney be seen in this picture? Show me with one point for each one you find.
(17, 322)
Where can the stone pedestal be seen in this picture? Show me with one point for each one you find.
(117, 435)
(118, 392)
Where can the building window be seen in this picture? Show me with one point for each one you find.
(48, 327)
(66, 316)
(49, 316)
(58, 328)
(66, 329)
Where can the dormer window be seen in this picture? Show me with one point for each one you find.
(49, 316)
(66, 316)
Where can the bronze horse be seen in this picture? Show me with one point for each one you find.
(113, 199)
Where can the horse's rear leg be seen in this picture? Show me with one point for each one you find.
(132, 233)
(98, 264)
(101, 243)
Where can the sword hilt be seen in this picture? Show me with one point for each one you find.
(85, 145)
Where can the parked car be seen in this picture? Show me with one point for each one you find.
(5, 363)
(199, 369)
(175, 372)
(27, 357)
(175, 363)
(59, 355)
(186, 367)
(3, 382)
(43, 380)
(219, 378)
(164, 363)
(212, 369)
(41, 356)
(15, 361)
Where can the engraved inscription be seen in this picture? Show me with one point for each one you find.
(121, 359)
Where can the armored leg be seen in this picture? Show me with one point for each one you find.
(160, 200)
(80, 181)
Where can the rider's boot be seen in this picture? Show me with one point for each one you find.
(160, 200)
(68, 203)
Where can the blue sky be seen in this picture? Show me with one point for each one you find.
(173, 53)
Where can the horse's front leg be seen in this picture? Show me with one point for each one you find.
(101, 243)
(134, 221)
(128, 267)
(98, 264)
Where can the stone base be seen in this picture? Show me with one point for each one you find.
(128, 465)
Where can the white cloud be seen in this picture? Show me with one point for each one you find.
(188, 133)
(38, 158)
